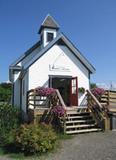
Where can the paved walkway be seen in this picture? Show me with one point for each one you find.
(90, 146)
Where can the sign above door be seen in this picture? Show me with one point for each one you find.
(59, 68)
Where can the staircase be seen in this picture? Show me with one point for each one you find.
(79, 121)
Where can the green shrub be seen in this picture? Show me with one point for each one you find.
(9, 120)
(81, 90)
(35, 138)
(5, 92)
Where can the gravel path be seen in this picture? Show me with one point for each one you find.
(90, 146)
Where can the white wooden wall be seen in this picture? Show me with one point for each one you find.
(57, 61)
(59, 56)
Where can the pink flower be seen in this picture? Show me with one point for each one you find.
(58, 111)
(41, 91)
(98, 92)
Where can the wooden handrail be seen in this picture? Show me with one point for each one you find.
(54, 100)
(95, 99)
(61, 99)
(108, 98)
(98, 111)
(38, 105)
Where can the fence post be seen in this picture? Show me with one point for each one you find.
(107, 124)
(34, 98)
(108, 98)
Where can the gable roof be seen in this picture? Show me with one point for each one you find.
(70, 45)
(49, 22)
(28, 52)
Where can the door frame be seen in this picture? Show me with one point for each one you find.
(63, 76)
(56, 76)
(74, 96)
(51, 77)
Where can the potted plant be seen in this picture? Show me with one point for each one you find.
(81, 90)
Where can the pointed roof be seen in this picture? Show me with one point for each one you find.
(49, 22)
(69, 44)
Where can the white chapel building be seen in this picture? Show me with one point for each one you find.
(52, 62)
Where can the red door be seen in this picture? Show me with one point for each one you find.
(74, 92)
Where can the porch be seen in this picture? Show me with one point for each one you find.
(94, 116)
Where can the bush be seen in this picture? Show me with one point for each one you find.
(5, 92)
(35, 138)
(9, 120)
(81, 90)
(93, 85)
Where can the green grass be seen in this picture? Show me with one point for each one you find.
(62, 136)
(1, 151)
(17, 156)
(21, 156)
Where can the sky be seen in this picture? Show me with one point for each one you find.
(89, 24)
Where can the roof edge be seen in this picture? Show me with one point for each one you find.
(18, 60)
(42, 25)
(71, 46)
(79, 54)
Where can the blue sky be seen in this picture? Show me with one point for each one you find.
(89, 24)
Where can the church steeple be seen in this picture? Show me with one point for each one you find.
(49, 22)
(48, 30)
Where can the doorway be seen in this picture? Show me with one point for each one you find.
(67, 87)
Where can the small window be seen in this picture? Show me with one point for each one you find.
(49, 37)
(74, 86)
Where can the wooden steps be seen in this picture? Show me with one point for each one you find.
(83, 131)
(79, 117)
(79, 122)
(80, 126)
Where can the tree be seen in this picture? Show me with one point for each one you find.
(93, 85)
(5, 92)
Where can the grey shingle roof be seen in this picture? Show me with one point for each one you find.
(28, 52)
(49, 22)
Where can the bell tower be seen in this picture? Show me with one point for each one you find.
(48, 30)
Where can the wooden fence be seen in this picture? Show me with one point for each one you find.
(98, 111)
(38, 106)
(109, 98)
(36, 101)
